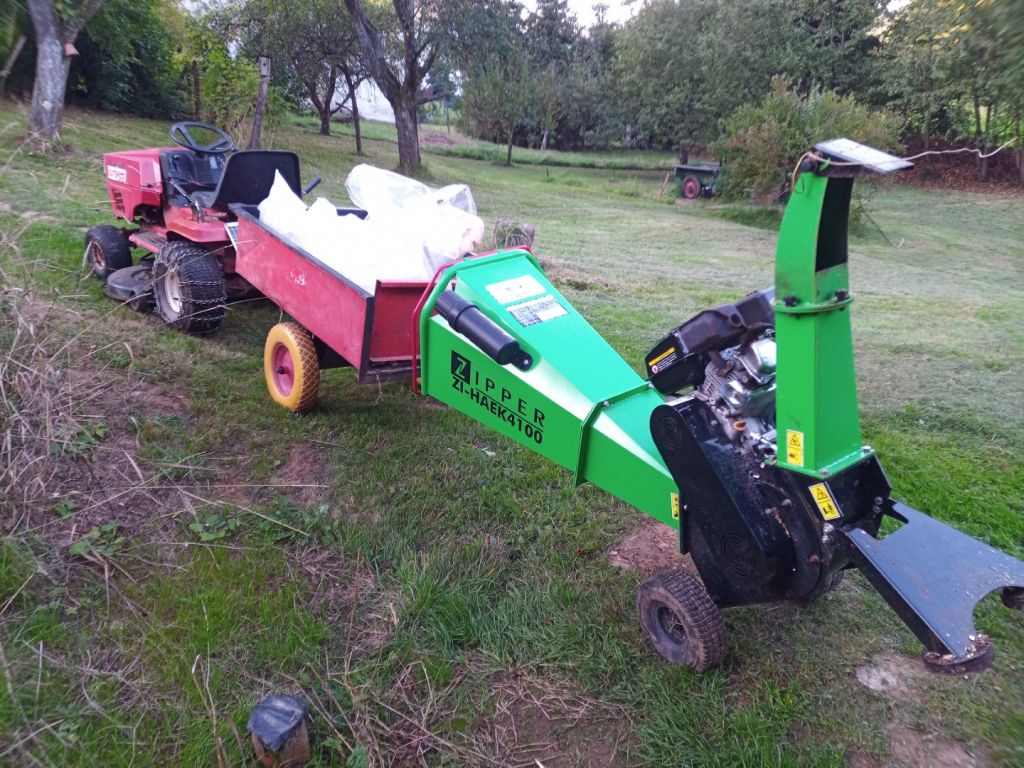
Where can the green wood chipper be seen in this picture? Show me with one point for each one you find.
(745, 436)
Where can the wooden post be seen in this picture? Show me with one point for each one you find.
(263, 66)
(197, 92)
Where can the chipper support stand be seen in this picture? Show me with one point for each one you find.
(745, 436)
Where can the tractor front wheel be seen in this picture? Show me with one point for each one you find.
(291, 367)
(691, 188)
(188, 286)
(106, 251)
(682, 621)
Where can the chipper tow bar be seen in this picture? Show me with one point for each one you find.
(759, 465)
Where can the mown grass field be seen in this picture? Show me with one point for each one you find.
(438, 594)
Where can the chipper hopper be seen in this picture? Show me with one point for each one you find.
(745, 436)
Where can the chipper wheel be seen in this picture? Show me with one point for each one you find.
(291, 367)
(106, 250)
(682, 622)
(188, 286)
(1013, 597)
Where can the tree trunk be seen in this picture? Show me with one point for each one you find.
(325, 121)
(544, 141)
(261, 102)
(1020, 151)
(986, 144)
(197, 92)
(51, 73)
(927, 124)
(408, 132)
(508, 157)
(54, 45)
(977, 116)
(355, 112)
(399, 87)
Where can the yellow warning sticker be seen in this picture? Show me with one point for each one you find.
(826, 504)
(662, 356)
(675, 505)
(794, 447)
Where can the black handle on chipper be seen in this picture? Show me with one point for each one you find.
(464, 317)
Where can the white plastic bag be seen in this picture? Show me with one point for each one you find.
(410, 231)
(374, 189)
(282, 210)
(443, 220)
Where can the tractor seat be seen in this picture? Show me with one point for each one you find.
(248, 176)
(194, 173)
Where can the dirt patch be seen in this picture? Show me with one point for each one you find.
(436, 140)
(305, 475)
(540, 722)
(153, 402)
(652, 546)
(347, 596)
(914, 749)
(891, 674)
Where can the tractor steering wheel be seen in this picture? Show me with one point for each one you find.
(181, 136)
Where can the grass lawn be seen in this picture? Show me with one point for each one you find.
(438, 594)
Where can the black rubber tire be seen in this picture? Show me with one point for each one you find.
(106, 251)
(833, 581)
(682, 621)
(691, 188)
(188, 288)
(1013, 598)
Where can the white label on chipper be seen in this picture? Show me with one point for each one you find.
(117, 173)
(537, 311)
(515, 289)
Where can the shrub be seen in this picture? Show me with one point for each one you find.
(763, 142)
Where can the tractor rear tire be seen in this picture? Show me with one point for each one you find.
(682, 621)
(106, 251)
(188, 286)
(291, 367)
(691, 188)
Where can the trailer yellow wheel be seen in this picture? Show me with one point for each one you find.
(291, 368)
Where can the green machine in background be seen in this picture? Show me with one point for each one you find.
(745, 436)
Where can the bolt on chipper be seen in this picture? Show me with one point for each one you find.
(744, 436)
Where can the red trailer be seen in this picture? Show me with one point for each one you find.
(338, 323)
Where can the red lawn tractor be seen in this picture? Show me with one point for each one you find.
(177, 200)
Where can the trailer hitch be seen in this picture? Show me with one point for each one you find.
(933, 576)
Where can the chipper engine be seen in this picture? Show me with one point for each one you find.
(745, 436)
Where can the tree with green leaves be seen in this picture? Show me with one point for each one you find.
(763, 142)
(128, 49)
(496, 99)
(398, 47)
(313, 44)
(57, 24)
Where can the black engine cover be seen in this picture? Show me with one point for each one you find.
(753, 529)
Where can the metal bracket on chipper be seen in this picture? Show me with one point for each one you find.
(933, 576)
